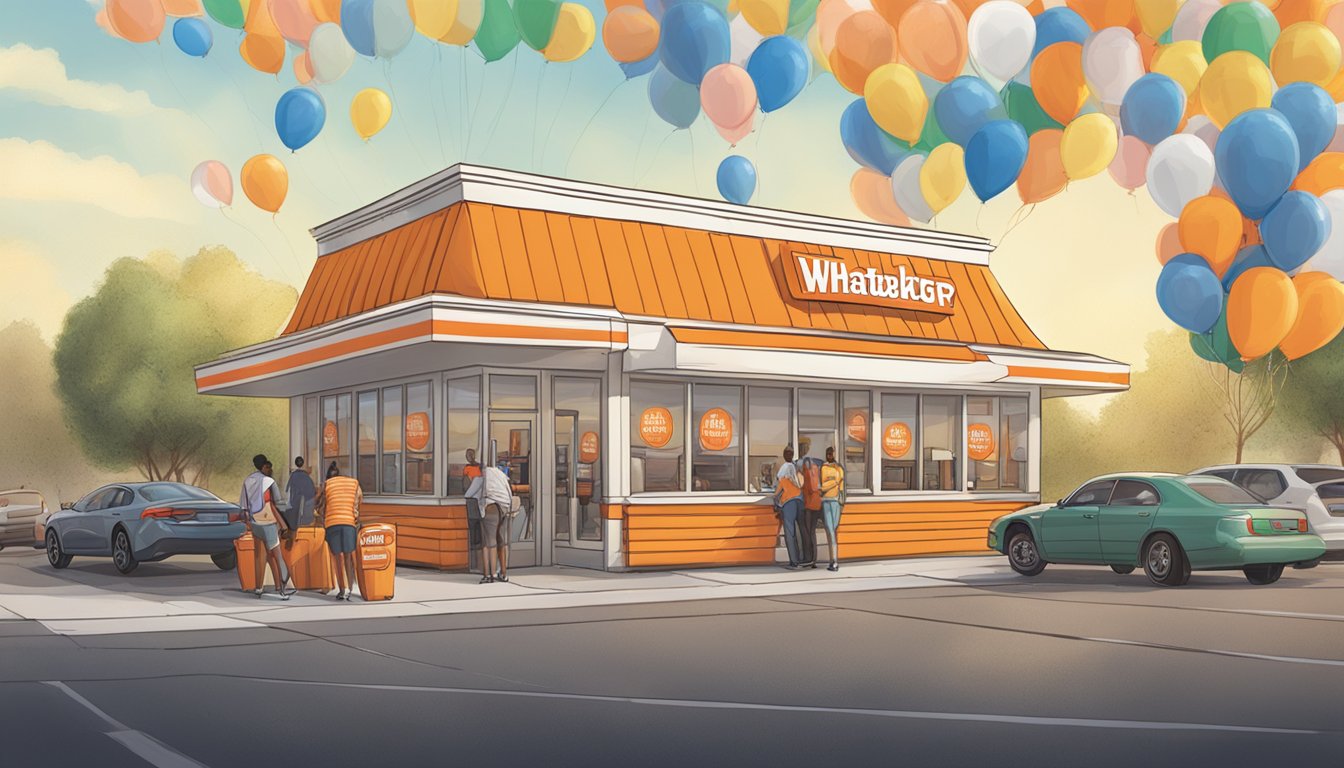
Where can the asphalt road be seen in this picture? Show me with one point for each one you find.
(1079, 667)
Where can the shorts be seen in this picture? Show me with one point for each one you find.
(494, 529)
(830, 514)
(266, 533)
(341, 539)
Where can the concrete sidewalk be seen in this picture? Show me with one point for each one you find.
(91, 598)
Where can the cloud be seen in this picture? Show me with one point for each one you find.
(41, 171)
(31, 289)
(39, 74)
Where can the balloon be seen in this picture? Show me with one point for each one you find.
(432, 18)
(1168, 243)
(630, 34)
(299, 117)
(728, 99)
(1058, 82)
(329, 53)
(736, 178)
(814, 48)
(674, 100)
(212, 184)
(193, 37)
(466, 22)
(1215, 346)
(1180, 169)
(831, 13)
(303, 69)
(964, 106)
(898, 102)
(1182, 62)
(905, 188)
(574, 34)
(326, 11)
(1261, 309)
(1000, 37)
(357, 24)
(1088, 146)
(536, 20)
(1042, 175)
(1022, 107)
(1321, 175)
(497, 34)
(1192, 19)
(871, 192)
(1210, 227)
(262, 46)
(943, 176)
(227, 12)
(265, 182)
(932, 38)
(1152, 108)
(1295, 229)
(867, 143)
(1059, 25)
(1100, 14)
(1130, 166)
(1234, 83)
(1257, 157)
(863, 42)
(1112, 62)
(1250, 257)
(183, 7)
(1189, 293)
(995, 156)
(1306, 52)
(1320, 314)
(295, 21)
(392, 26)
(1311, 113)
(370, 111)
(1241, 26)
(641, 67)
(1156, 16)
(139, 21)
(779, 69)
(1330, 258)
(769, 17)
(743, 40)
(694, 39)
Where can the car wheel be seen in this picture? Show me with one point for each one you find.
(55, 555)
(1123, 570)
(1023, 555)
(122, 556)
(1164, 562)
(1262, 574)
(225, 561)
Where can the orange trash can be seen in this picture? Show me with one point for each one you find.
(309, 560)
(376, 566)
(243, 547)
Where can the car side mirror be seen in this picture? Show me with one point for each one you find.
(67, 505)
(1059, 503)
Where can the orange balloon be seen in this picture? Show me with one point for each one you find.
(1322, 174)
(630, 33)
(1320, 314)
(863, 42)
(101, 20)
(1100, 14)
(1289, 12)
(1250, 232)
(1042, 176)
(326, 10)
(263, 48)
(303, 68)
(265, 182)
(873, 195)
(1147, 50)
(1057, 80)
(1036, 8)
(893, 10)
(1210, 227)
(932, 38)
(183, 8)
(612, 5)
(1261, 310)
(1168, 243)
(139, 21)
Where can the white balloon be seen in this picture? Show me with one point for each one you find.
(1180, 170)
(329, 53)
(1192, 18)
(199, 188)
(744, 40)
(1000, 35)
(905, 186)
(1331, 256)
(1207, 132)
(392, 27)
(1112, 62)
(1337, 143)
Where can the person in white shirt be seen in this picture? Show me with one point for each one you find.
(494, 495)
(264, 520)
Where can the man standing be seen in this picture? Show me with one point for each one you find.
(301, 491)
(341, 499)
(495, 496)
(264, 520)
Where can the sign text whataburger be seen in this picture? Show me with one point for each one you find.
(815, 277)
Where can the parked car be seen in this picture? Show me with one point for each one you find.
(1168, 524)
(135, 523)
(18, 510)
(1315, 489)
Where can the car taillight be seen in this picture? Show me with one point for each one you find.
(235, 517)
(1250, 526)
(165, 513)
(1302, 525)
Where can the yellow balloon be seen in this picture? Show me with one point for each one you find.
(1156, 16)
(814, 45)
(1088, 146)
(1183, 62)
(465, 23)
(1306, 52)
(943, 176)
(575, 31)
(370, 111)
(897, 101)
(769, 17)
(265, 182)
(434, 18)
(1235, 82)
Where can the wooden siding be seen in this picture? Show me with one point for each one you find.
(426, 535)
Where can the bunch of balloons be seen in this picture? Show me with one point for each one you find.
(264, 180)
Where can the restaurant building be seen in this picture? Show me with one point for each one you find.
(639, 361)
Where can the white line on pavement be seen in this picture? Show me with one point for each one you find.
(144, 746)
(1218, 652)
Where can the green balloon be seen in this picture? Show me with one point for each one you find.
(1202, 344)
(1249, 27)
(1165, 38)
(536, 20)
(931, 136)
(1023, 107)
(226, 12)
(497, 34)
(801, 13)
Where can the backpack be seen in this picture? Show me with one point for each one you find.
(811, 483)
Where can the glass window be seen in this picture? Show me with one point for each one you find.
(464, 430)
(1265, 483)
(1092, 494)
(982, 442)
(657, 437)
(173, 491)
(1013, 452)
(940, 442)
(312, 427)
(1219, 491)
(513, 393)
(578, 458)
(716, 413)
(1319, 474)
(769, 430)
(900, 424)
(366, 429)
(1134, 493)
(816, 423)
(393, 424)
(858, 415)
(335, 434)
(419, 439)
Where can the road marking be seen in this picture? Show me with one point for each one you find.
(139, 743)
(1218, 652)
(1071, 722)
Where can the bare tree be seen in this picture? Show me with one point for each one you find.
(1247, 398)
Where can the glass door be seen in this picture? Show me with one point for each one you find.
(576, 495)
(512, 448)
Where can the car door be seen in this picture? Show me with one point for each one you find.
(1126, 518)
(114, 507)
(1071, 531)
(78, 530)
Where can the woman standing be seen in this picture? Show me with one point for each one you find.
(832, 502)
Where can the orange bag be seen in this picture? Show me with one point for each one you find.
(243, 547)
(309, 560)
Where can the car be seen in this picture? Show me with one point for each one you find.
(135, 523)
(18, 510)
(1168, 524)
(1315, 489)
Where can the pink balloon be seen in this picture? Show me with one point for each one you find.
(737, 132)
(212, 184)
(1130, 166)
(728, 97)
(294, 20)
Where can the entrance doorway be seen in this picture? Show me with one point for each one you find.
(512, 446)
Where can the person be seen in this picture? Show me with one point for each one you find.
(341, 499)
(471, 474)
(832, 503)
(300, 490)
(809, 468)
(789, 499)
(495, 496)
(264, 520)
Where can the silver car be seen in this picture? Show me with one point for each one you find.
(18, 511)
(145, 522)
(1316, 489)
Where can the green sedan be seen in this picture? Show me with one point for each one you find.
(1169, 524)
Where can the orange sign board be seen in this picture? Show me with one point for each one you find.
(417, 431)
(856, 424)
(588, 445)
(979, 441)
(655, 427)
(331, 441)
(896, 439)
(819, 277)
(716, 429)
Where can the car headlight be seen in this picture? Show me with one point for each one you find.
(993, 539)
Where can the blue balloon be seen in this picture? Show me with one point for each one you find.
(1152, 108)
(357, 24)
(779, 68)
(1311, 113)
(995, 156)
(1257, 158)
(639, 68)
(868, 144)
(1059, 25)
(1189, 293)
(1295, 229)
(299, 117)
(677, 102)
(963, 107)
(1249, 257)
(193, 36)
(737, 179)
(694, 40)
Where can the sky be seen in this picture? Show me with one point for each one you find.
(99, 138)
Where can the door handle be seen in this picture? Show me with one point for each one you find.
(1144, 513)
(1089, 515)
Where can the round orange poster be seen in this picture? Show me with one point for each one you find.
(856, 425)
(655, 427)
(896, 439)
(588, 448)
(417, 431)
(979, 441)
(716, 430)
(331, 442)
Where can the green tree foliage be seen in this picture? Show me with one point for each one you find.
(125, 357)
(1312, 401)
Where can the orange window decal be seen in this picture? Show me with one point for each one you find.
(856, 424)
(980, 441)
(417, 431)
(655, 427)
(896, 439)
(331, 442)
(588, 448)
(716, 430)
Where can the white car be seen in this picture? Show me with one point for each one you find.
(1316, 489)
(19, 510)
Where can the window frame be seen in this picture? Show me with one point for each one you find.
(437, 440)
(1069, 502)
(1157, 494)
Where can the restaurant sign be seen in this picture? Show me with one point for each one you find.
(331, 442)
(896, 439)
(980, 441)
(417, 431)
(817, 277)
(588, 445)
(716, 430)
(655, 427)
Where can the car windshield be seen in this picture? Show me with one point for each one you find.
(1220, 491)
(1316, 475)
(174, 492)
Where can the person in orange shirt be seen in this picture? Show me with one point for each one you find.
(789, 499)
(341, 498)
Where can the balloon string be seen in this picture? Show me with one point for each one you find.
(499, 111)
(298, 264)
(536, 113)
(262, 243)
(695, 170)
(480, 96)
(461, 103)
(654, 161)
(555, 116)
(756, 154)
(434, 103)
(584, 131)
(257, 120)
(402, 121)
(182, 99)
(1028, 209)
(639, 149)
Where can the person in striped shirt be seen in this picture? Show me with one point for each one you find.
(341, 498)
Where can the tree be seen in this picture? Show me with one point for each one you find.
(1313, 396)
(124, 365)
(1247, 397)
